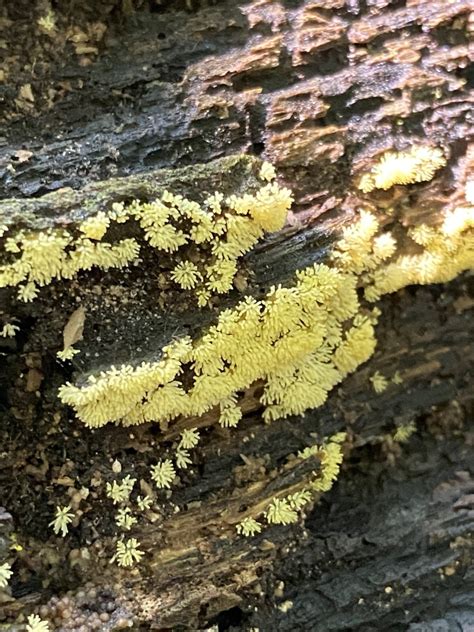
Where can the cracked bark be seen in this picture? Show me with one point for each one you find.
(320, 89)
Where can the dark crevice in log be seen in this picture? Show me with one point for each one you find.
(321, 88)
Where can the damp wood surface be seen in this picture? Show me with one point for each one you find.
(186, 96)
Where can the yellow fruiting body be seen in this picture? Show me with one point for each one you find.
(144, 502)
(182, 459)
(186, 275)
(417, 164)
(36, 624)
(447, 251)
(124, 519)
(9, 330)
(163, 473)
(330, 456)
(5, 574)
(403, 433)
(67, 354)
(299, 499)
(300, 340)
(379, 382)
(284, 510)
(280, 512)
(52, 255)
(120, 492)
(293, 340)
(231, 414)
(248, 527)
(128, 553)
(267, 172)
(227, 227)
(96, 226)
(397, 378)
(189, 439)
(62, 519)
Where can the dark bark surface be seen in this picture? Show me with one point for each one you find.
(319, 88)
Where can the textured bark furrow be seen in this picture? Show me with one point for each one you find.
(141, 116)
(321, 88)
(423, 533)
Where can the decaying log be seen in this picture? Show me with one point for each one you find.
(320, 88)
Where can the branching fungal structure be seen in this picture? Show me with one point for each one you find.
(222, 228)
(36, 624)
(9, 330)
(120, 492)
(285, 510)
(294, 340)
(296, 343)
(300, 340)
(62, 519)
(124, 519)
(379, 382)
(128, 552)
(417, 164)
(440, 254)
(403, 433)
(5, 574)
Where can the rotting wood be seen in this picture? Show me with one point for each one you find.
(321, 89)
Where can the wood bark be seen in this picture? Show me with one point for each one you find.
(320, 88)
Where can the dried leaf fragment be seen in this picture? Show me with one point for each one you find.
(74, 327)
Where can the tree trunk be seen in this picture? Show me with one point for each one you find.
(106, 104)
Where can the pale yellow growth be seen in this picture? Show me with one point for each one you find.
(357, 346)
(231, 414)
(299, 499)
(9, 330)
(293, 340)
(124, 519)
(27, 292)
(120, 492)
(417, 164)
(300, 341)
(52, 255)
(144, 502)
(379, 382)
(118, 213)
(5, 574)
(331, 457)
(182, 458)
(403, 433)
(163, 473)
(284, 510)
(48, 22)
(220, 275)
(34, 623)
(397, 378)
(359, 249)
(226, 227)
(96, 226)
(203, 297)
(248, 527)
(189, 439)
(447, 251)
(62, 519)
(128, 553)
(280, 512)
(186, 275)
(67, 354)
(267, 172)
